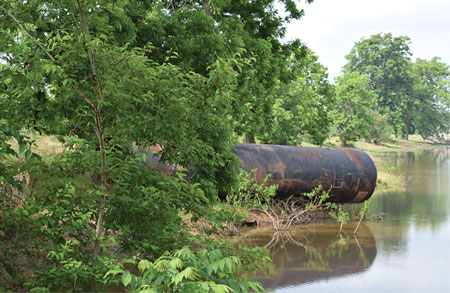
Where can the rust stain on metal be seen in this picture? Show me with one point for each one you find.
(360, 197)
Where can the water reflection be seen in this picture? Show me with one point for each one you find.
(412, 240)
(314, 252)
(426, 200)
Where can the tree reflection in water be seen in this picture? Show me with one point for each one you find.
(310, 253)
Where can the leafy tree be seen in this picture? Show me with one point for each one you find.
(432, 92)
(353, 99)
(106, 76)
(202, 31)
(70, 71)
(385, 60)
(302, 107)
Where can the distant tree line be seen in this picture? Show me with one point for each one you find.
(413, 96)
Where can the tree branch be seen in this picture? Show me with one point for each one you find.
(90, 53)
(74, 86)
(28, 34)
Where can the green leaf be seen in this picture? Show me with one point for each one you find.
(28, 154)
(22, 148)
(126, 278)
(256, 286)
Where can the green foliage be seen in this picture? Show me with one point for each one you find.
(301, 107)
(49, 233)
(338, 213)
(185, 113)
(111, 79)
(211, 269)
(24, 143)
(53, 233)
(385, 60)
(380, 129)
(250, 194)
(432, 92)
(362, 212)
(149, 206)
(104, 77)
(413, 95)
(200, 33)
(318, 199)
(354, 98)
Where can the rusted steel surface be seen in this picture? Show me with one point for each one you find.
(349, 174)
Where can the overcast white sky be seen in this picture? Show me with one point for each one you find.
(331, 27)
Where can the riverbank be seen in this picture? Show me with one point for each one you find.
(395, 144)
(388, 178)
(414, 143)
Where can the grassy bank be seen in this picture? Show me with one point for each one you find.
(414, 143)
(388, 179)
(395, 144)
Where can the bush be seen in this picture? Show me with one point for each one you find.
(49, 237)
(210, 269)
(250, 194)
(380, 129)
(149, 208)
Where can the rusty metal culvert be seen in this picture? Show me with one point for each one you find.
(349, 174)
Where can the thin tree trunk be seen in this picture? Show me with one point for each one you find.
(101, 141)
(207, 8)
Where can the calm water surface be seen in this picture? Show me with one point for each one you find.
(409, 251)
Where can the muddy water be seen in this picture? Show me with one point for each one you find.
(408, 251)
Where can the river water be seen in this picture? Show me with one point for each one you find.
(407, 251)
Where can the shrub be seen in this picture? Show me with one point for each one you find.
(250, 194)
(380, 130)
(211, 269)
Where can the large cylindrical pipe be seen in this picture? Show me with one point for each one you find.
(349, 174)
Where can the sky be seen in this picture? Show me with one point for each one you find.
(331, 27)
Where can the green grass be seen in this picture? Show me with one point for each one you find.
(415, 142)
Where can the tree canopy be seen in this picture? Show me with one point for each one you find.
(412, 94)
(385, 60)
